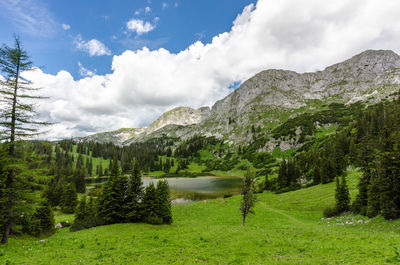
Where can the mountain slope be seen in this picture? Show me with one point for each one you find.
(271, 97)
(175, 118)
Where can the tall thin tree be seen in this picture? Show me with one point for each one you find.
(18, 119)
(248, 199)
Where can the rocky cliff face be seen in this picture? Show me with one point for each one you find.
(272, 96)
(179, 116)
(168, 123)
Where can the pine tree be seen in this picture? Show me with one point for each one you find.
(69, 199)
(163, 202)
(282, 174)
(361, 201)
(100, 169)
(17, 120)
(150, 205)
(42, 221)
(316, 175)
(112, 198)
(81, 211)
(342, 195)
(115, 169)
(134, 195)
(248, 199)
(389, 175)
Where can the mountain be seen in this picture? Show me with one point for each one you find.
(175, 118)
(273, 96)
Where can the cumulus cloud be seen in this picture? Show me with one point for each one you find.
(294, 35)
(164, 5)
(139, 26)
(84, 72)
(65, 26)
(93, 47)
(147, 9)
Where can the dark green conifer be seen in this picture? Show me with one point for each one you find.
(342, 195)
(42, 221)
(150, 205)
(69, 199)
(134, 195)
(163, 202)
(248, 199)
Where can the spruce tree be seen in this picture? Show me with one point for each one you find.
(248, 199)
(150, 205)
(81, 211)
(112, 198)
(316, 175)
(18, 120)
(163, 202)
(342, 195)
(42, 220)
(134, 195)
(69, 199)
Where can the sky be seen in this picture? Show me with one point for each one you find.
(114, 64)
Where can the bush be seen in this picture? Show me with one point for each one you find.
(330, 212)
(154, 219)
(40, 223)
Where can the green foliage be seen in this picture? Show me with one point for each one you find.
(163, 202)
(69, 199)
(86, 215)
(42, 221)
(134, 195)
(248, 199)
(150, 204)
(342, 195)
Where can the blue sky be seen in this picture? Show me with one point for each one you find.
(118, 64)
(177, 24)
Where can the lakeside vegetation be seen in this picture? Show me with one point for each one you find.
(287, 228)
(348, 172)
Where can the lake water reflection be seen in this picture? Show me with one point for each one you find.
(194, 189)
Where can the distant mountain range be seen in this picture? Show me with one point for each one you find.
(273, 96)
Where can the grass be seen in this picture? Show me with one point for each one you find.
(286, 229)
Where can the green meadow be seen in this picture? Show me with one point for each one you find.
(286, 229)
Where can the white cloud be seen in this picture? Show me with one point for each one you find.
(93, 47)
(139, 26)
(65, 26)
(137, 13)
(294, 35)
(84, 72)
(147, 9)
(176, 4)
(164, 5)
(31, 17)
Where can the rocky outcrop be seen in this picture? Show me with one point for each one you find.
(172, 123)
(272, 96)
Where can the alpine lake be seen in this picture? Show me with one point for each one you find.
(184, 190)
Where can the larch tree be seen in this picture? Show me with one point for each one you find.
(248, 198)
(18, 119)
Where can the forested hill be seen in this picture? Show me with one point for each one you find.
(272, 97)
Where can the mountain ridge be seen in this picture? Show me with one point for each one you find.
(273, 95)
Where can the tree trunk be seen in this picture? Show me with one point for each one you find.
(6, 232)
(10, 178)
(243, 219)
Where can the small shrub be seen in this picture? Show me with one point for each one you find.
(155, 220)
(330, 212)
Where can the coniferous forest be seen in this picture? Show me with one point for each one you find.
(284, 168)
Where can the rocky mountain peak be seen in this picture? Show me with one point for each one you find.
(179, 116)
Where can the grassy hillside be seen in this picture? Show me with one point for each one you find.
(287, 229)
